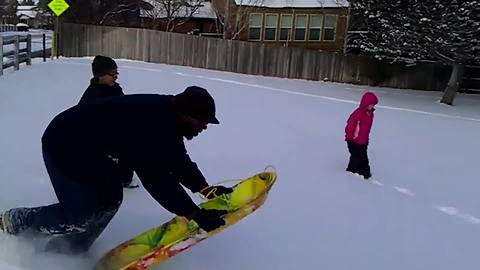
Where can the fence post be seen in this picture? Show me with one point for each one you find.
(1, 55)
(16, 56)
(44, 48)
(53, 50)
(57, 53)
(29, 50)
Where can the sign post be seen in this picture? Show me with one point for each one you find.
(58, 7)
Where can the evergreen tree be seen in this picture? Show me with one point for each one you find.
(10, 10)
(43, 4)
(413, 30)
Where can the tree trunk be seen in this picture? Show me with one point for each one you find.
(226, 19)
(453, 83)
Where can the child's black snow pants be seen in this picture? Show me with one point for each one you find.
(358, 159)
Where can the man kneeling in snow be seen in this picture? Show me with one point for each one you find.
(81, 148)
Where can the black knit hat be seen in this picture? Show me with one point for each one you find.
(102, 65)
(197, 103)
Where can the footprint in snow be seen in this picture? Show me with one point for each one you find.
(404, 191)
(375, 182)
(452, 211)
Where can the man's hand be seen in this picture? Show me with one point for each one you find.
(215, 191)
(209, 220)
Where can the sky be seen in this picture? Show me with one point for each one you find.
(420, 211)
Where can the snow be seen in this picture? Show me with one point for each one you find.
(28, 11)
(421, 211)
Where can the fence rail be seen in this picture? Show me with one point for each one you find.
(20, 55)
(8, 28)
(471, 79)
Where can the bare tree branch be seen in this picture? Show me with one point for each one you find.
(443, 57)
(172, 12)
(234, 20)
(119, 9)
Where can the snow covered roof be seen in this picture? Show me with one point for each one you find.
(294, 3)
(26, 12)
(25, 7)
(204, 11)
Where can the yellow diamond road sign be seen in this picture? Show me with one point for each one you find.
(58, 6)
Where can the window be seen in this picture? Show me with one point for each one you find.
(300, 27)
(315, 29)
(270, 27)
(285, 26)
(255, 26)
(329, 29)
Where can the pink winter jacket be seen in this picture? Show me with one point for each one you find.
(360, 121)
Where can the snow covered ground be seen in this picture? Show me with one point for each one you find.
(422, 210)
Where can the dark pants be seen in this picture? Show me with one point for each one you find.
(358, 159)
(82, 213)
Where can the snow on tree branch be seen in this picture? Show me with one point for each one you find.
(413, 30)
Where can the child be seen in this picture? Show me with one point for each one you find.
(104, 84)
(357, 132)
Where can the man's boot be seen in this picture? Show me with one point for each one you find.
(15, 220)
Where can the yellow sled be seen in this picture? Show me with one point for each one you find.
(177, 235)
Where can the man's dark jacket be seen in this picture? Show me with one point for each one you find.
(140, 131)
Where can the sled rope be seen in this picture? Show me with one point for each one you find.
(223, 197)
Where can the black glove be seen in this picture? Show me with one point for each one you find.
(215, 191)
(209, 220)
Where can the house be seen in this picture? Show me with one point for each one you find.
(313, 24)
(195, 18)
(27, 15)
(11, 12)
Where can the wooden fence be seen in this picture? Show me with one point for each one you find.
(8, 28)
(245, 57)
(17, 56)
